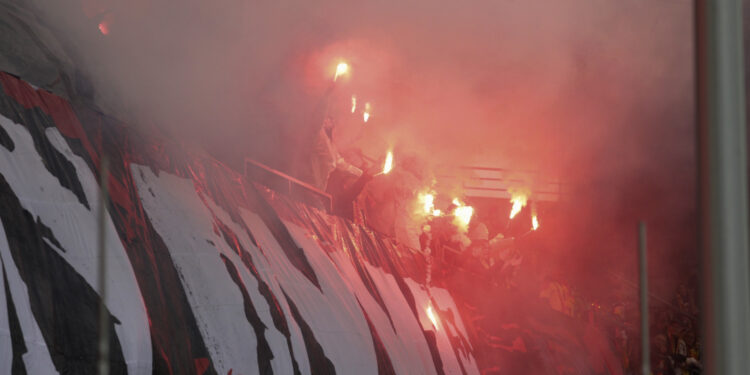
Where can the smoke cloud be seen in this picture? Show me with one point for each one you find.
(597, 93)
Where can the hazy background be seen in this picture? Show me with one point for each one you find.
(598, 93)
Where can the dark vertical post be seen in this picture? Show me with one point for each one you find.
(722, 173)
(103, 365)
(643, 286)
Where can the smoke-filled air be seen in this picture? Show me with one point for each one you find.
(595, 95)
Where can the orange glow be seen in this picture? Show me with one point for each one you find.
(354, 103)
(519, 202)
(388, 165)
(366, 115)
(517, 206)
(433, 318)
(534, 222)
(428, 202)
(341, 69)
(462, 214)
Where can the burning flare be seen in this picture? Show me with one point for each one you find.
(433, 318)
(354, 103)
(462, 214)
(366, 115)
(517, 206)
(341, 69)
(388, 165)
(534, 222)
(518, 198)
(428, 202)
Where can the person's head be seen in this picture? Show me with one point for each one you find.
(478, 231)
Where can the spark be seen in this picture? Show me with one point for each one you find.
(463, 215)
(341, 69)
(518, 198)
(433, 318)
(388, 165)
(428, 202)
(366, 114)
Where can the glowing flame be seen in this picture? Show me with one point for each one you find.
(462, 214)
(366, 115)
(341, 69)
(104, 28)
(428, 203)
(354, 103)
(433, 318)
(517, 206)
(388, 165)
(534, 222)
(519, 202)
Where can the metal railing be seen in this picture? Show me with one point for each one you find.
(286, 184)
(492, 182)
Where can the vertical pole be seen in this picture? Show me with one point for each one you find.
(722, 161)
(643, 271)
(103, 365)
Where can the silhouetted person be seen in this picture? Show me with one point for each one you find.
(326, 159)
(344, 188)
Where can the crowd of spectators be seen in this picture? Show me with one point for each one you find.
(675, 340)
(496, 259)
(674, 337)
